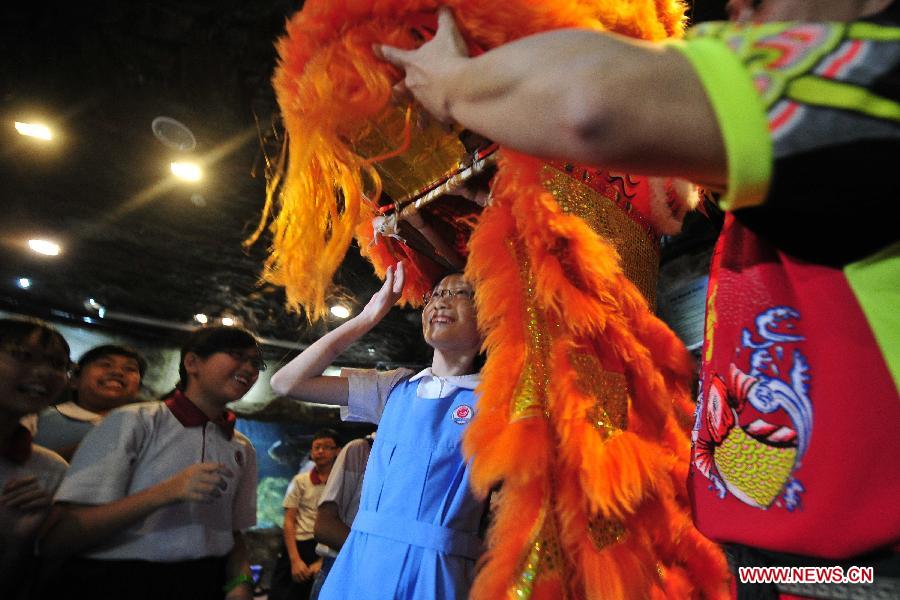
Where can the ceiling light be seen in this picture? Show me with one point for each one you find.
(45, 247)
(173, 134)
(341, 312)
(92, 304)
(227, 321)
(187, 170)
(35, 130)
(201, 318)
(24, 283)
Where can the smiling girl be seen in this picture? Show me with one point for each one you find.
(106, 377)
(416, 533)
(158, 492)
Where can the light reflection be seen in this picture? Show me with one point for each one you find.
(35, 130)
(187, 170)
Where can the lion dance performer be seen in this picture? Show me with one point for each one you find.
(585, 404)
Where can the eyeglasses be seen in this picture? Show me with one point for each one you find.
(23, 355)
(451, 295)
(255, 360)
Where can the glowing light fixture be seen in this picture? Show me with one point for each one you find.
(92, 304)
(341, 312)
(24, 283)
(227, 321)
(187, 170)
(45, 247)
(201, 318)
(35, 130)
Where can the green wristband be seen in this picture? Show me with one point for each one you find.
(236, 581)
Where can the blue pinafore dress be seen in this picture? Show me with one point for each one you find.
(415, 536)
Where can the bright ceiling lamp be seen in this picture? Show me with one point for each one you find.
(201, 318)
(227, 321)
(341, 312)
(187, 170)
(45, 247)
(35, 130)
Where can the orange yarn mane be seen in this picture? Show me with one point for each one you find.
(332, 90)
(584, 406)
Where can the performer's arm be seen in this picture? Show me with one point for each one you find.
(594, 97)
(302, 377)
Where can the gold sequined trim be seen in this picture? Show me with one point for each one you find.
(525, 585)
(529, 398)
(544, 555)
(432, 152)
(609, 414)
(639, 256)
(604, 532)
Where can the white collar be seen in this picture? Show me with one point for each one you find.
(432, 386)
(73, 411)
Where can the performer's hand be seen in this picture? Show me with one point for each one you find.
(387, 296)
(430, 68)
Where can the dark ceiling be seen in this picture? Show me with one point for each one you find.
(150, 249)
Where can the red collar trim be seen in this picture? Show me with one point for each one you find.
(19, 447)
(190, 415)
(315, 477)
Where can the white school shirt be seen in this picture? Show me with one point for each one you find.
(369, 389)
(303, 494)
(140, 445)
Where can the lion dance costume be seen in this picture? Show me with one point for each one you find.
(585, 406)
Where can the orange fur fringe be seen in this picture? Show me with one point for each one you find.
(559, 473)
(331, 88)
(637, 477)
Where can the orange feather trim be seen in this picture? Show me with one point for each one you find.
(598, 497)
(332, 90)
(525, 253)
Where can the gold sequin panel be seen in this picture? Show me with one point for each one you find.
(609, 414)
(529, 398)
(544, 556)
(433, 153)
(640, 259)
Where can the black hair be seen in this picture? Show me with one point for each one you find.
(19, 330)
(206, 341)
(327, 433)
(95, 354)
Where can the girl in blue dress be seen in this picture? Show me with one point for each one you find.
(416, 535)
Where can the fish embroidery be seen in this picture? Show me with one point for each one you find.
(753, 425)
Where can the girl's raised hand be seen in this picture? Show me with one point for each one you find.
(385, 298)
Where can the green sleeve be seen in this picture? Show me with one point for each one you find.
(876, 283)
(741, 116)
